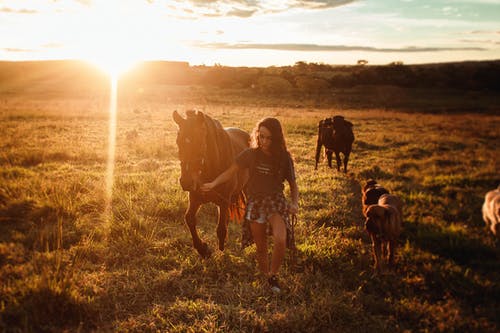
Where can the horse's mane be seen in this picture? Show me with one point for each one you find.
(220, 153)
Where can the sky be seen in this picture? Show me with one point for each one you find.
(116, 33)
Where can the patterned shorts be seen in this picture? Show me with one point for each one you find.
(259, 210)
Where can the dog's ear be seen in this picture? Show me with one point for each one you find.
(370, 197)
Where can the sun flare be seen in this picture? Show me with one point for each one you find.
(110, 165)
(109, 44)
(113, 65)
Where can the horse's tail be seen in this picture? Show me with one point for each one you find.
(237, 207)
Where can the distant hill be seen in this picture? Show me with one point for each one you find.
(457, 75)
(472, 85)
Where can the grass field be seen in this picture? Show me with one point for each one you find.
(67, 265)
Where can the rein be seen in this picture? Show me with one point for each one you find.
(293, 222)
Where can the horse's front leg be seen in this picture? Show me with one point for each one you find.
(222, 224)
(191, 221)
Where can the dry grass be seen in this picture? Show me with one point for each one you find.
(65, 265)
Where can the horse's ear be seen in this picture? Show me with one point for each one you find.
(200, 117)
(178, 118)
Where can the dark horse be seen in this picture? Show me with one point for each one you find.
(337, 136)
(206, 150)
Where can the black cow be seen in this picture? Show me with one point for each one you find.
(336, 135)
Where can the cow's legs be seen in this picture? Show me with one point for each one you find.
(346, 160)
(337, 157)
(318, 152)
(329, 154)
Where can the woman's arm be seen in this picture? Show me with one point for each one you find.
(222, 178)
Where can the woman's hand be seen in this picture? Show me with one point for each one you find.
(221, 179)
(207, 187)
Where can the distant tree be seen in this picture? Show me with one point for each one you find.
(272, 70)
(300, 67)
(396, 63)
(312, 85)
(287, 74)
(362, 62)
(220, 76)
(272, 85)
(343, 80)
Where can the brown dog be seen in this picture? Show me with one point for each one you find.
(371, 193)
(491, 211)
(384, 223)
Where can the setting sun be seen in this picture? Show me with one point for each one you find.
(112, 65)
(108, 42)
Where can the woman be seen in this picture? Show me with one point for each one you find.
(269, 164)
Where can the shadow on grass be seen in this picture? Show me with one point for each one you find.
(452, 245)
(348, 201)
(375, 173)
(366, 146)
(45, 310)
(32, 225)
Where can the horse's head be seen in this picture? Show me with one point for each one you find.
(191, 141)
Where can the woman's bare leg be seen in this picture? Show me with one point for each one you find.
(259, 233)
(279, 242)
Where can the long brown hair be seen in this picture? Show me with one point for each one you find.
(278, 144)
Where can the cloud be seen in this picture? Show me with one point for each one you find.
(241, 13)
(248, 8)
(17, 11)
(478, 41)
(52, 45)
(329, 48)
(17, 50)
(26, 50)
(85, 2)
(484, 32)
(475, 2)
(319, 4)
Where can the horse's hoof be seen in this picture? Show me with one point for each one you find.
(205, 251)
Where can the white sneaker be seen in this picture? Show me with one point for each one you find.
(273, 283)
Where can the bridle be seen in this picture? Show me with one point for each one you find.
(198, 162)
(187, 165)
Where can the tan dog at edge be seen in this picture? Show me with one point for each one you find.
(384, 223)
(491, 211)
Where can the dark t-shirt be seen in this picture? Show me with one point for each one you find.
(265, 177)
